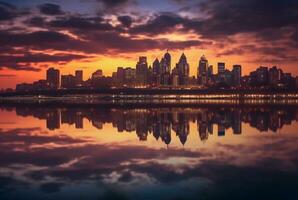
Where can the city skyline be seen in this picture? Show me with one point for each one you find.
(87, 35)
(164, 73)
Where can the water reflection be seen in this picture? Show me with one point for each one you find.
(96, 153)
(160, 121)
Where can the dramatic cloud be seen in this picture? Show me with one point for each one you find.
(109, 4)
(128, 26)
(50, 9)
(228, 17)
(159, 24)
(125, 20)
(7, 11)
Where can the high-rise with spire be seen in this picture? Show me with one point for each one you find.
(203, 71)
(182, 67)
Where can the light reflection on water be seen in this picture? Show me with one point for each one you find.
(90, 152)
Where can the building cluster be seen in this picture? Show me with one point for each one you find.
(162, 75)
(163, 123)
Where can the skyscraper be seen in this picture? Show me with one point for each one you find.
(142, 71)
(220, 71)
(183, 70)
(202, 74)
(221, 68)
(97, 74)
(167, 59)
(274, 76)
(236, 73)
(156, 72)
(79, 77)
(53, 78)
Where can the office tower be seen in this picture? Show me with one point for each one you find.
(182, 68)
(262, 75)
(221, 67)
(142, 71)
(120, 76)
(220, 72)
(68, 81)
(202, 74)
(274, 76)
(165, 73)
(97, 74)
(167, 60)
(156, 68)
(236, 75)
(79, 77)
(53, 78)
(129, 76)
(210, 76)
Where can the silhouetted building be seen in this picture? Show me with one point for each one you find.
(262, 76)
(53, 78)
(236, 75)
(182, 68)
(203, 71)
(142, 71)
(156, 72)
(79, 77)
(97, 74)
(68, 81)
(220, 71)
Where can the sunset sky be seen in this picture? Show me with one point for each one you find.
(105, 34)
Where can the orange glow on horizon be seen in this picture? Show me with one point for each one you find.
(110, 63)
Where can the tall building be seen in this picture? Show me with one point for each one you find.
(167, 60)
(129, 76)
(262, 75)
(210, 76)
(120, 76)
(202, 74)
(53, 78)
(156, 72)
(68, 81)
(221, 67)
(274, 76)
(142, 71)
(236, 73)
(97, 74)
(220, 72)
(79, 77)
(183, 70)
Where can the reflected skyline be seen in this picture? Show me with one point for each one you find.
(154, 153)
(165, 123)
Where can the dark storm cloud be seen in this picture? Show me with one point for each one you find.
(15, 62)
(81, 23)
(125, 20)
(40, 57)
(9, 12)
(228, 17)
(39, 38)
(114, 3)
(50, 9)
(161, 23)
(36, 21)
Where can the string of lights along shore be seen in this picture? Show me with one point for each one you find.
(162, 74)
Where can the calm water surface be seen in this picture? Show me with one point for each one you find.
(210, 152)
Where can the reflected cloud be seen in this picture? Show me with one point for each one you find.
(111, 170)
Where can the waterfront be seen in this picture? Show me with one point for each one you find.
(93, 152)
